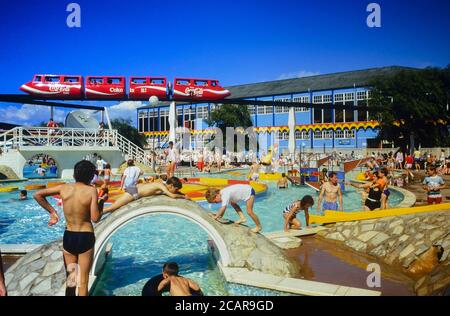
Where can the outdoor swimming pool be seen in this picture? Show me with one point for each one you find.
(141, 247)
(23, 222)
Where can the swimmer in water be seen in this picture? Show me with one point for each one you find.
(179, 286)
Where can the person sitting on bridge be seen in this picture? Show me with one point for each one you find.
(81, 208)
(233, 195)
(171, 188)
(179, 286)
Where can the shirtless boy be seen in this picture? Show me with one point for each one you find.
(332, 191)
(171, 189)
(80, 206)
(179, 286)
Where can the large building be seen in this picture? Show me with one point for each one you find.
(330, 128)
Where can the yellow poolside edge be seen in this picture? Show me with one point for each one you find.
(334, 217)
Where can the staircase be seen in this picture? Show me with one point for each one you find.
(21, 138)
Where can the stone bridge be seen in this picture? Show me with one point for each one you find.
(41, 272)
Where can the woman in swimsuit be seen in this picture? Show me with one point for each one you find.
(107, 173)
(290, 213)
(373, 200)
(81, 208)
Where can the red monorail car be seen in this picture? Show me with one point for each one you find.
(142, 88)
(55, 86)
(105, 87)
(111, 87)
(198, 89)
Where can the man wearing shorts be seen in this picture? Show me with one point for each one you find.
(433, 184)
(332, 191)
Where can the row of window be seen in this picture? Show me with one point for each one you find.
(339, 134)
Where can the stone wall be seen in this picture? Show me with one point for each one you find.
(419, 245)
(39, 273)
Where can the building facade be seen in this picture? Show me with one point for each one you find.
(329, 128)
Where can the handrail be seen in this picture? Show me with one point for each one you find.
(71, 137)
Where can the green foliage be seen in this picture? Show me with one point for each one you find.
(414, 102)
(126, 129)
(230, 115)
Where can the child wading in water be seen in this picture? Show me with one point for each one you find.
(291, 211)
(81, 208)
(233, 195)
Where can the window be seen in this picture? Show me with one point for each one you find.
(301, 135)
(339, 134)
(200, 83)
(349, 96)
(37, 79)
(139, 81)
(251, 109)
(183, 82)
(158, 81)
(260, 109)
(114, 80)
(350, 134)
(52, 79)
(71, 80)
(317, 99)
(318, 134)
(362, 95)
(202, 112)
(327, 98)
(305, 100)
(268, 109)
(214, 84)
(96, 80)
(369, 94)
(279, 136)
(327, 134)
(286, 135)
(179, 111)
(339, 97)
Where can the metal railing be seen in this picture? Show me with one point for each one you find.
(20, 137)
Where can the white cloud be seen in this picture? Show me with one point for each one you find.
(125, 110)
(29, 114)
(298, 74)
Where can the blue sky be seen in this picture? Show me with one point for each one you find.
(233, 41)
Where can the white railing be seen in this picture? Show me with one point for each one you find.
(70, 137)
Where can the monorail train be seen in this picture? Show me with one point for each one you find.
(111, 87)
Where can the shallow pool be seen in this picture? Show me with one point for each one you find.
(24, 222)
(142, 247)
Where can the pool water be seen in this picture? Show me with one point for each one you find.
(141, 248)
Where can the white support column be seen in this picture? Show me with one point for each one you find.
(173, 122)
(292, 124)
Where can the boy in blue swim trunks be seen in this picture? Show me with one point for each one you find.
(233, 195)
(331, 191)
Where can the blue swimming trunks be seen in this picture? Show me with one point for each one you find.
(330, 206)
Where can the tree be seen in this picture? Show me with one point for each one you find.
(413, 107)
(127, 130)
(230, 115)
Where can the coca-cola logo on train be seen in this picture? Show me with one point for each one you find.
(116, 90)
(54, 88)
(195, 92)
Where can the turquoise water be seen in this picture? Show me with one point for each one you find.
(24, 222)
(139, 253)
(140, 248)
